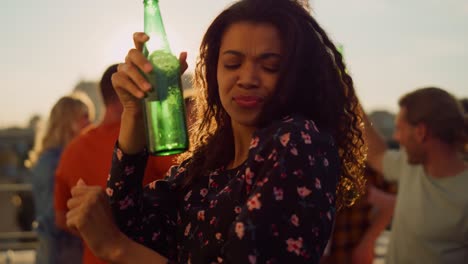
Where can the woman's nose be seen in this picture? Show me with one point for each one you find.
(249, 76)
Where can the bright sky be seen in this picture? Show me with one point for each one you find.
(391, 46)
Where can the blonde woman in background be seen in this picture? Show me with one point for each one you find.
(67, 118)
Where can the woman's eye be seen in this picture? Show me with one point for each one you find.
(271, 69)
(231, 66)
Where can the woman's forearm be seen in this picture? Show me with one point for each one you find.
(126, 251)
(132, 134)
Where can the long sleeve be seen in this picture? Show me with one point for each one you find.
(146, 215)
(290, 183)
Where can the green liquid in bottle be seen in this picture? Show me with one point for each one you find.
(164, 107)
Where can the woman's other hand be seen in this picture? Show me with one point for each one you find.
(90, 214)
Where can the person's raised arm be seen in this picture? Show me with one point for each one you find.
(131, 86)
(384, 204)
(376, 145)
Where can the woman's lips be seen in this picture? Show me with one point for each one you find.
(248, 101)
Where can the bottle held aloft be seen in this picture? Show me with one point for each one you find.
(163, 107)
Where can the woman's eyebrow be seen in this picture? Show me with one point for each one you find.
(233, 52)
(269, 55)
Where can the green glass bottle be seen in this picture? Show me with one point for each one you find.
(163, 106)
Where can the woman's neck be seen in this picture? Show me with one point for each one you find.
(242, 137)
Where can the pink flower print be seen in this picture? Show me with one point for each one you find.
(287, 119)
(298, 173)
(239, 230)
(254, 202)
(218, 236)
(187, 229)
(325, 162)
(203, 192)
(152, 185)
(303, 192)
(294, 245)
(278, 192)
(213, 220)
(252, 259)
(306, 125)
(248, 175)
(129, 170)
(201, 215)
(126, 203)
(119, 154)
(262, 182)
(187, 196)
(330, 197)
(294, 151)
(210, 181)
(155, 236)
(318, 184)
(254, 142)
(220, 260)
(213, 203)
(329, 216)
(226, 189)
(272, 155)
(108, 177)
(284, 139)
(311, 160)
(295, 220)
(283, 175)
(306, 138)
(259, 158)
(109, 192)
(237, 209)
(314, 126)
(214, 185)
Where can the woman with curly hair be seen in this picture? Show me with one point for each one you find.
(69, 115)
(276, 149)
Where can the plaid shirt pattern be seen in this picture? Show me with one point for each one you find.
(352, 223)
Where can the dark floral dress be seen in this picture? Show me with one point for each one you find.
(277, 207)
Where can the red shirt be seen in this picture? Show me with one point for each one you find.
(89, 157)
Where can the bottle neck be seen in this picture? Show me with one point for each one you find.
(154, 27)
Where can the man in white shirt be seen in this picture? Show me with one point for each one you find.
(430, 223)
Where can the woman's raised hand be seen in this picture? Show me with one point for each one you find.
(129, 82)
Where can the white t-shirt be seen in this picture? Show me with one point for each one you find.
(430, 223)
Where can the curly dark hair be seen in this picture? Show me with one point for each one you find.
(313, 82)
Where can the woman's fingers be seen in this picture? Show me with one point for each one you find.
(135, 75)
(137, 59)
(129, 81)
(73, 203)
(139, 39)
(121, 81)
(183, 62)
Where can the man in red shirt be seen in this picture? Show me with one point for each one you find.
(89, 155)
